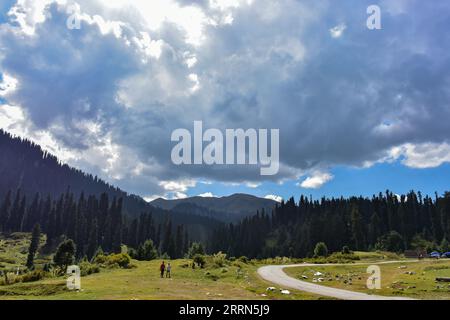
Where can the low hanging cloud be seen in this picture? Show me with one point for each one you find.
(273, 197)
(317, 180)
(107, 97)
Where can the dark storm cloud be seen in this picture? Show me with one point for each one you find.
(343, 100)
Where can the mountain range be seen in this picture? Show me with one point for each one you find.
(227, 208)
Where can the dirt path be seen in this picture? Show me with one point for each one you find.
(276, 275)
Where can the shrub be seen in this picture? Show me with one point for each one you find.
(213, 277)
(321, 250)
(220, 260)
(120, 260)
(87, 268)
(345, 250)
(196, 248)
(100, 259)
(145, 252)
(35, 275)
(165, 256)
(445, 246)
(243, 259)
(392, 241)
(199, 260)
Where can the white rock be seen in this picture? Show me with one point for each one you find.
(285, 292)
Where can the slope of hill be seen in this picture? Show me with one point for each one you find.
(25, 166)
(229, 208)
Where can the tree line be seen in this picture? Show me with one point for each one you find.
(385, 221)
(92, 223)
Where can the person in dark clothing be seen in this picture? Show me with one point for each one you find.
(162, 268)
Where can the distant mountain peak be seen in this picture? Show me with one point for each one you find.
(232, 207)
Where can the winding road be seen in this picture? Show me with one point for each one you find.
(275, 274)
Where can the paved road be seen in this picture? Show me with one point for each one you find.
(276, 275)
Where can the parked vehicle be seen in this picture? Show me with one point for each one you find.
(445, 255)
(435, 255)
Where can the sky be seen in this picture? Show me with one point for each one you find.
(359, 111)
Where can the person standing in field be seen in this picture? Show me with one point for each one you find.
(169, 268)
(162, 268)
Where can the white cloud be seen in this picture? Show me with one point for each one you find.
(424, 155)
(179, 195)
(207, 195)
(273, 197)
(338, 31)
(177, 186)
(139, 69)
(8, 84)
(252, 185)
(315, 181)
(191, 19)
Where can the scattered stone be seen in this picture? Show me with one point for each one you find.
(320, 280)
(271, 289)
(304, 277)
(285, 292)
(317, 274)
(402, 267)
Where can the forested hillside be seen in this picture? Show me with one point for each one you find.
(95, 223)
(386, 222)
(37, 188)
(25, 166)
(228, 209)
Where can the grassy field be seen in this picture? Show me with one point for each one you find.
(144, 282)
(236, 280)
(233, 280)
(411, 279)
(14, 250)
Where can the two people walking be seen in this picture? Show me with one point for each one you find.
(167, 269)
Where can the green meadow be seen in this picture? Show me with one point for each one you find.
(404, 279)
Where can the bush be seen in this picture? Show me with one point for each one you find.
(199, 260)
(212, 276)
(165, 256)
(345, 250)
(87, 268)
(445, 246)
(100, 259)
(243, 259)
(392, 241)
(120, 260)
(35, 275)
(321, 250)
(220, 260)
(196, 248)
(145, 252)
